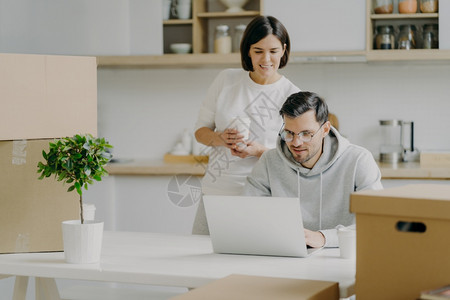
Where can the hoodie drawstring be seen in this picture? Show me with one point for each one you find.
(320, 205)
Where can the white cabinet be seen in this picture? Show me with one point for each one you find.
(444, 24)
(82, 27)
(321, 25)
(145, 203)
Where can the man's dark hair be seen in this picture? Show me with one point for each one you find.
(256, 30)
(301, 102)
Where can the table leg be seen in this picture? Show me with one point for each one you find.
(20, 288)
(46, 289)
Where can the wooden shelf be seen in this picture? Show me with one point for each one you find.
(252, 13)
(396, 20)
(178, 22)
(212, 59)
(327, 57)
(234, 59)
(408, 55)
(169, 60)
(403, 16)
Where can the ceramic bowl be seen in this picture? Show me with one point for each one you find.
(180, 48)
(234, 5)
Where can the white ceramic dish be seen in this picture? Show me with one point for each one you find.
(180, 48)
(234, 5)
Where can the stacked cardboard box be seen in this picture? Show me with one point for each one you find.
(402, 240)
(42, 97)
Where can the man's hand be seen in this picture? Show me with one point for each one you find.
(314, 239)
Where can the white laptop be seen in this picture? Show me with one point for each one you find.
(256, 225)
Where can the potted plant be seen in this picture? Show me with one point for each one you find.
(78, 161)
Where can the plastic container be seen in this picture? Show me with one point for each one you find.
(383, 6)
(407, 38)
(407, 6)
(430, 36)
(384, 38)
(429, 6)
(222, 41)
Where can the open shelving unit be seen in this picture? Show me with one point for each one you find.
(396, 19)
(199, 31)
(206, 14)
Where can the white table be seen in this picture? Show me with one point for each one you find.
(169, 260)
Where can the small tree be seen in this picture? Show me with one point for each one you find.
(76, 160)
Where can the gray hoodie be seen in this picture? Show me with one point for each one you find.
(324, 191)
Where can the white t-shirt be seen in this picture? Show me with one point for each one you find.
(234, 94)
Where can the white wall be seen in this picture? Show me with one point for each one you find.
(82, 27)
(143, 112)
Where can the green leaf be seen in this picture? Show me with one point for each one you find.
(87, 170)
(78, 160)
(78, 187)
(62, 176)
(69, 164)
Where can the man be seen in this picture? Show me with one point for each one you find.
(313, 162)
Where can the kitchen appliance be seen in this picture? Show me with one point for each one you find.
(393, 148)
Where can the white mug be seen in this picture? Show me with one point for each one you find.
(242, 124)
(183, 10)
(347, 242)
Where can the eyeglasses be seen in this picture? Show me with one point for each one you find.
(304, 136)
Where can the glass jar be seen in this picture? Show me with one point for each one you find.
(383, 6)
(429, 6)
(238, 33)
(407, 38)
(430, 36)
(407, 6)
(222, 41)
(384, 39)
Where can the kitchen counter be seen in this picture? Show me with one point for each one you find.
(411, 170)
(154, 167)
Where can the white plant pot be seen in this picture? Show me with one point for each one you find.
(82, 242)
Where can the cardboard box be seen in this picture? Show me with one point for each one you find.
(245, 287)
(435, 159)
(31, 210)
(47, 96)
(402, 240)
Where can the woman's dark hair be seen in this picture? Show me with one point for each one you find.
(301, 102)
(256, 30)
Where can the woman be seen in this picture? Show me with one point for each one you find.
(257, 93)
